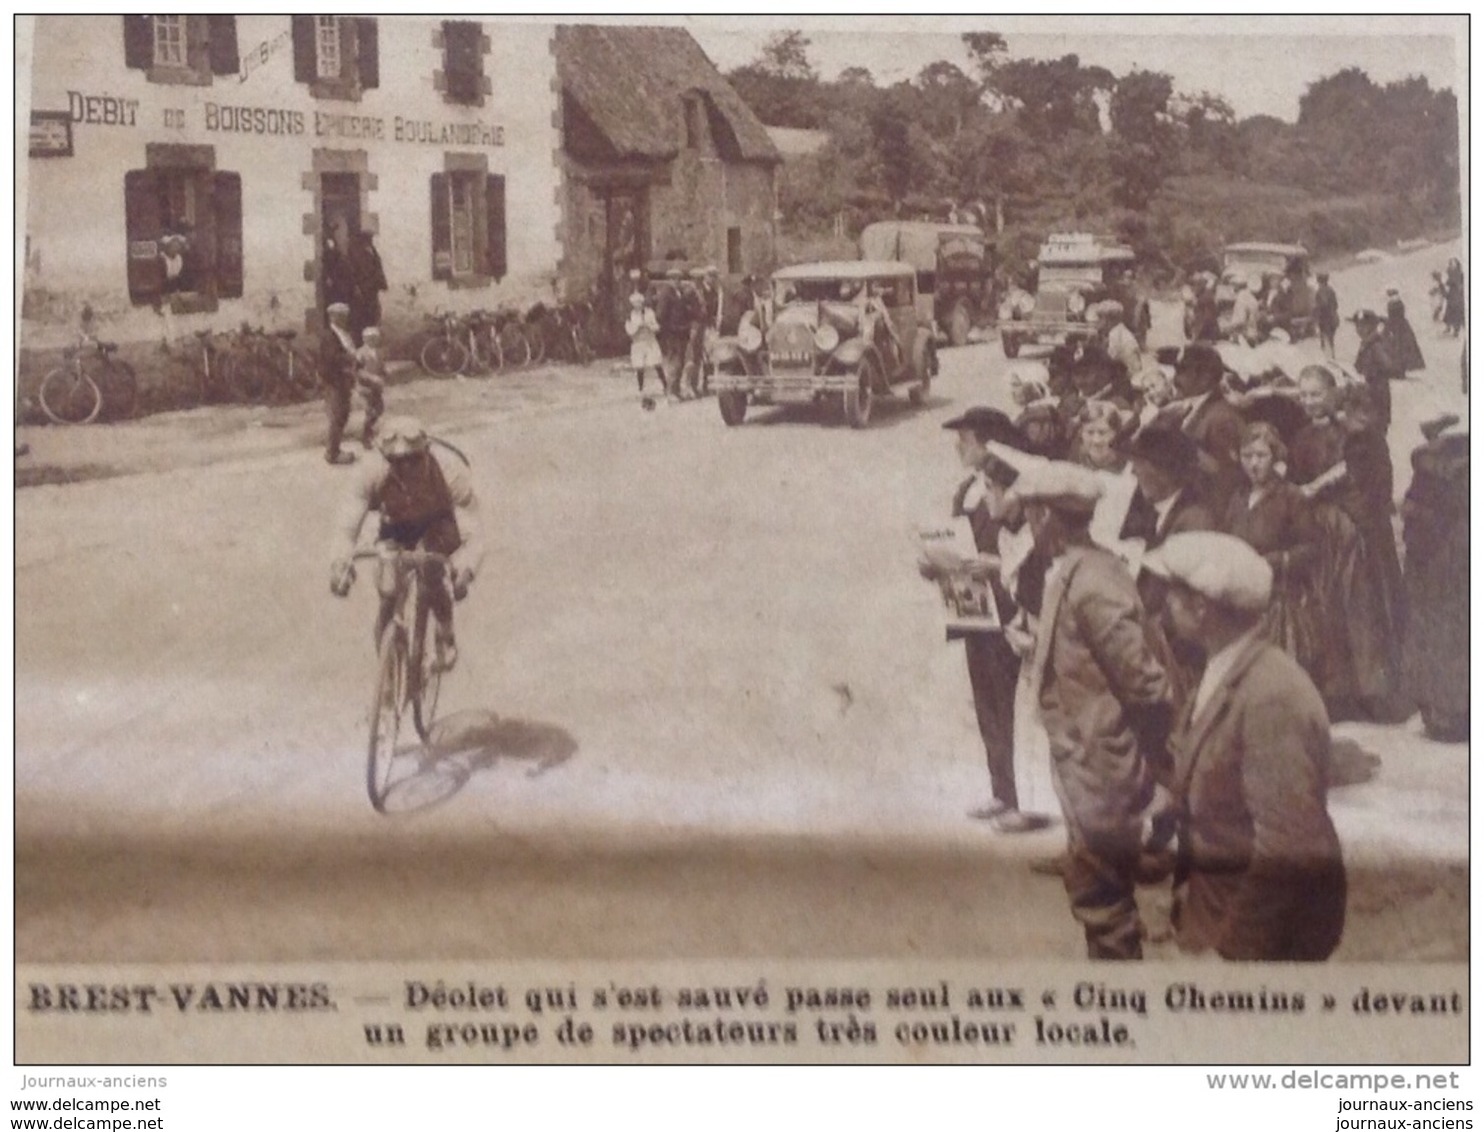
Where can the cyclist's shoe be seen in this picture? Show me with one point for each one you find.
(445, 652)
(340, 458)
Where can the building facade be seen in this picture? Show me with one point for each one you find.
(189, 171)
(193, 172)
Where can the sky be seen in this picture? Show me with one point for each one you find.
(1264, 73)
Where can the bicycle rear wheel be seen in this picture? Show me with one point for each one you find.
(386, 716)
(69, 396)
(119, 389)
(514, 346)
(428, 676)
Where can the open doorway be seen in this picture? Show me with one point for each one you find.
(340, 219)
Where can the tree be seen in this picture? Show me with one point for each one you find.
(1053, 96)
(785, 55)
(1146, 143)
(987, 50)
(946, 98)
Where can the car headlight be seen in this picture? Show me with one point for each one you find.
(1076, 304)
(826, 338)
(749, 337)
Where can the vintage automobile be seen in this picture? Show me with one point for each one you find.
(1074, 271)
(955, 271)
(1266, 265)
(842, 333)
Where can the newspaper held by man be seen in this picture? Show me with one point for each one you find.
(952, 560)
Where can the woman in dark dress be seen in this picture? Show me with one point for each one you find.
(1275, 519)
(1400, 335)
(1435, 529)
(1357, 633)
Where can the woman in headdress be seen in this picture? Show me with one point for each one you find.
(1358, 629)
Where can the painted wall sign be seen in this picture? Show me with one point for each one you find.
(102, 109)
(51, 133)
(260, 54)
(272, 121)
(253, 120)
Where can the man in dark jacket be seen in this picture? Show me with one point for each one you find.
(674, 318)
(337, 371)
(1105, 701)
(1212, 422)
(1260, 876)
(1326, 314)
(1376, 363)
(367, 281)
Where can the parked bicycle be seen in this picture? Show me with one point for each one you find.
(510, 346)
(194, 372)
(445, 353)
(559, 332)
(408, 670)
(267, 369)
(90, 384)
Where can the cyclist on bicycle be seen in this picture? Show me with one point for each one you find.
(426, 500)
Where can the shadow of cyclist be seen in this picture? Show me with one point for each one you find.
(467, 742)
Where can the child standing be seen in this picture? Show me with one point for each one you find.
(644, 344)
(370, 382)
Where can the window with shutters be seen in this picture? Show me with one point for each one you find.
(468, 225)
(337, 56)
(181, 49)
(170, 41)
(327, 47)
(462, 79)
(183, 220)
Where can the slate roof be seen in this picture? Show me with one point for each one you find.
(631, 81)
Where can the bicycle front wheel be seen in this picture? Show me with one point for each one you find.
(444, 356)
(386, 717)
(69, 396)
(428, 676)
(252, 379)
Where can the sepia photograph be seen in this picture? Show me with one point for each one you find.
(527, 525)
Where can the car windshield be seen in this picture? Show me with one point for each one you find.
(1064, 275)
(833, 290)
(1267, 261)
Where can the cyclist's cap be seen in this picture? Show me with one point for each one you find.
(338, 308)
(401, 436)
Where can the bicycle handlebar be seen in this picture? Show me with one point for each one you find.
(400, 554)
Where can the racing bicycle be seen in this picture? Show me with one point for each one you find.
(408, 672)
(90, 383)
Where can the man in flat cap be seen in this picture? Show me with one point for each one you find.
(1105, 702)
(1259, 874)
(337, 371)
(994, 667)
(1211, 421)
(1376, 362)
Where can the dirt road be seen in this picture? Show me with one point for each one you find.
(703, 705)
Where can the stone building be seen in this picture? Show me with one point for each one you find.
(662, 160)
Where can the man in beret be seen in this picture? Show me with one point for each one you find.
(1376, 362)
(1105, 701)
(1212, 422)
(1259, 875)
(1326, 313)
(994, 667)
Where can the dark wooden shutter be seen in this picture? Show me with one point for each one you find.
(223, 42)
(139, 42)
(367, 52)
(198, 48)
(143, 225)
(226, 199)
(461, 60)
(304, 56)
(442, 229)
(494, 204)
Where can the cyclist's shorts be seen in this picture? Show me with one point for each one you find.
(439, 534)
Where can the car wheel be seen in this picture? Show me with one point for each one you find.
(1011, 344)
(857, 401)
(733, 407)
(959, 325)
